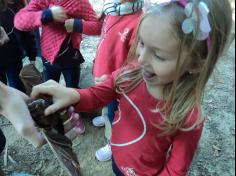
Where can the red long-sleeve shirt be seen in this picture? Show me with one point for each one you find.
(53, 34)
(137, 148)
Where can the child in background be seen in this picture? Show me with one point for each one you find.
(159, 121)
(63, 23)
(16, 44)
(118, 33)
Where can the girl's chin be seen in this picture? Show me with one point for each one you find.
(154, 81)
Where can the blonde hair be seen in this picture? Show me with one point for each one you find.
(186, 92)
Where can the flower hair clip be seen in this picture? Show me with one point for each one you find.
(194, 13)
(191, 23)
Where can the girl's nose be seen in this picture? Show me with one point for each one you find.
(143, 55)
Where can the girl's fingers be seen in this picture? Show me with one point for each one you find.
(71, 109)
(72, 122)
(44, 88)
(39, 90)
(58, 105)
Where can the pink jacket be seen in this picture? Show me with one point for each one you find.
(53, 34)
(118, 33)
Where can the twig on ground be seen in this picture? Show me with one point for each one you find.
(5, 155)
(5, 124)
(12, 160)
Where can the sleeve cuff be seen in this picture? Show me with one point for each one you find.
(78, 25)
(46, 16)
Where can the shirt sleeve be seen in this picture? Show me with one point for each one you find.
(91, 24)
(184, 147)
(29, 17)
(97, 96)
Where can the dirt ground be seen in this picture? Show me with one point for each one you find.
(215, 155)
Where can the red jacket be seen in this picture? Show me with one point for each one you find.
(53, 34)
(137, 148)
(118, 33)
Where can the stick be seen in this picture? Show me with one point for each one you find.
(5, 155)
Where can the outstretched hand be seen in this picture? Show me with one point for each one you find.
(13, 107)
(62, 97)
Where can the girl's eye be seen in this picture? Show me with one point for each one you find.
(159, 58)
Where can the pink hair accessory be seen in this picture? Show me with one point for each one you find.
(193, 13)
(191, 23)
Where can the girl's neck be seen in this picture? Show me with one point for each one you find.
(156, 92)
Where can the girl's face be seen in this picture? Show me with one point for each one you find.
(158, 50)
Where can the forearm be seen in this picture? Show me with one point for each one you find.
(86, 27)
(29, 18)
(92, 27)
(97, 96)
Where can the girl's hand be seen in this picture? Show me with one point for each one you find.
(62, 96)
(3, 36)
(58, 14)
(69, 25)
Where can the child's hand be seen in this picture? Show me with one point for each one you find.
(74, 126)
(62, 96)
(58, 14)
(69, 25)
(3, 36)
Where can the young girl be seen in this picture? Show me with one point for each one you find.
(118, 33)
(62, 22)
(159, 123)
(16, 44)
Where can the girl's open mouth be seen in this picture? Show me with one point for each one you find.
(148, 75)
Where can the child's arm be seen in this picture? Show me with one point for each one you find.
(14, 108)
(97, 96)
(182, 153)
(85, 99)
(88, 22)
(30, 17)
